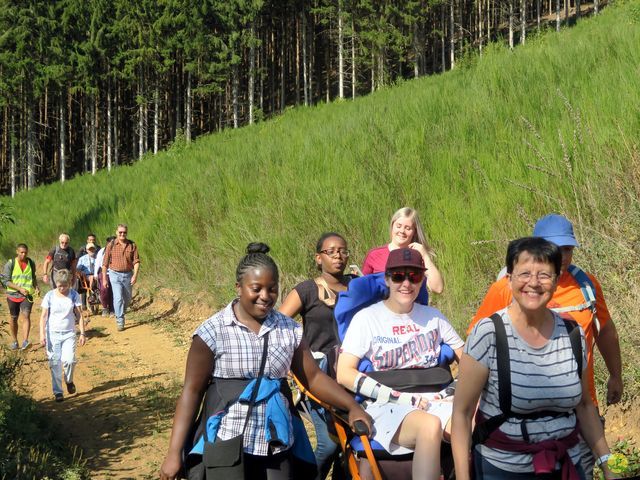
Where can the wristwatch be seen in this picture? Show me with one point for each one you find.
(603, 459)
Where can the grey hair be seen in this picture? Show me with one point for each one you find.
(64, 235)
(62, 276)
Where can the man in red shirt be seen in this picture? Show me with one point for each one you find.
(21, 284)
(598, 327)
(121, 264)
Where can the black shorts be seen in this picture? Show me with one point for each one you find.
(16, 308)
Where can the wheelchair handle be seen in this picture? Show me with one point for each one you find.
(360, 428)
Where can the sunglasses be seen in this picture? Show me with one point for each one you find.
(413, 277)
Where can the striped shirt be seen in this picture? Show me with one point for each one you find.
(237, 354)
(542, 378)
(120, 257)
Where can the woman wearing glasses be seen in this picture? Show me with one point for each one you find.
(549, 401)
(398, 333)
(406, 232)
(314, 300)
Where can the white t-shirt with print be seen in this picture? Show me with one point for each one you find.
(399, 340)
(61, 316)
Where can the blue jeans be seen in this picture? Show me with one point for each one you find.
(61, 352)
(121, 289)
(483, 470)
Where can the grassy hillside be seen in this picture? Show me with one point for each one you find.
(481, 152)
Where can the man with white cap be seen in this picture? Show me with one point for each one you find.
(578, 297)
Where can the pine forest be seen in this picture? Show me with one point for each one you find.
(90, 84)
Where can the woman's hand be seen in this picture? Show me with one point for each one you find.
(82, 339)
(357, 413)
(419, 247)
(170, 467)
(43, 340)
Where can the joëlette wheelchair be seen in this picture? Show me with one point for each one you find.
(364, 458)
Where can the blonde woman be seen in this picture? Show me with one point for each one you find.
(405, 231)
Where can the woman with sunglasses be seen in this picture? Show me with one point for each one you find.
(406, 232)
(314, 300)
(398, 333)
(549, 394)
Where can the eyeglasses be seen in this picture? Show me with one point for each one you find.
(122, 233)
(340, 251)
(544, 278)
(412, 276)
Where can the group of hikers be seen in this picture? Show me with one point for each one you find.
(524, 406)
(106, 273)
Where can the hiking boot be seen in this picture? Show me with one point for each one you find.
(105, 312)
(13, 346)
(59, 397)
(71, 388)
(120, 327)
(25, 345)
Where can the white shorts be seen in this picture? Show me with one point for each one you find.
(387, 418)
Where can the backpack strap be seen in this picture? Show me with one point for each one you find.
(576, 343)
(503, 362)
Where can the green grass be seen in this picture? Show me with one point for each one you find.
(481, 152)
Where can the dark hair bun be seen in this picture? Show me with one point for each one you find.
(257, 247)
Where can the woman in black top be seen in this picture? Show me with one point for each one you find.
(314, 300)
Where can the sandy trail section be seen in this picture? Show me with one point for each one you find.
(127, 384)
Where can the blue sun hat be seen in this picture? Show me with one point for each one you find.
(556, 229)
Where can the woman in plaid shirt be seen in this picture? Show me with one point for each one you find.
(229, 345)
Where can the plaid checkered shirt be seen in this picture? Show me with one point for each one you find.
(237, 353)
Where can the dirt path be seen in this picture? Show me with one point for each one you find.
(127, 383)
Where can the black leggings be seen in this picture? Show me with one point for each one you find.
(272, 467)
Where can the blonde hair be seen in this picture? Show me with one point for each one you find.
(418, 232)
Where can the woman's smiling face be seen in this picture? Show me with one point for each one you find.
(532, 282)
(402, 232)
(257, 292)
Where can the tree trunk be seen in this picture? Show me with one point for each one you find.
(566, 11)
(523, 21)
(12, 153)
(116, 123)
(511, 24)
(443, 41)
(596, 5)
(283, 66)
(187, 101)
(480, 28)
(252, 72)
(234, 94)
(558, 15)
(452, 32)
(62, 138)
(340, 52)
(577, 4)
(140, 118)
(353, 60)
(94, 133)
(538, 15)
(305, 68)
(156, 119)
(31, 149)
(109, 127)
